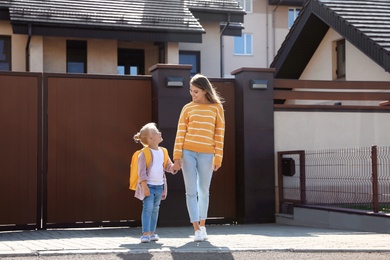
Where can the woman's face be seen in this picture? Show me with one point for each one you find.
(198, 95)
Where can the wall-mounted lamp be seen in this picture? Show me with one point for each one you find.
(174, 82)
(259, 84)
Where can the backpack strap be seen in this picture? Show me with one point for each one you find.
(148, 155)
(166, 156)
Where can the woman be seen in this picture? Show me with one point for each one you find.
(199, 148)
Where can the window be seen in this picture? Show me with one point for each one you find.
(340, 53)
(131, 62)
(5, 53)
(243, 44)
(190, 57)
(76, 56)
(246, 5)
(292, 15)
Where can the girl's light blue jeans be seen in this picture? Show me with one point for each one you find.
(197, 173)
(150, 209)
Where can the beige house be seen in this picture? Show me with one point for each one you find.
(266, 24)
(114, 37)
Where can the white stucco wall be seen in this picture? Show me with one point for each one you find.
(330, 130)
(359, 67)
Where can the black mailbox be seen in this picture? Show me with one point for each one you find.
(288, 166)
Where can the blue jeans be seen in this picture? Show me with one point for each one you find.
(151, 206)
(197, 173)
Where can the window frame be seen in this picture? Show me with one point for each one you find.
(7, 51)
(133, 61)
(195, 69)
(76, 52)
(244, 44)
(340, 59)
(295, 13)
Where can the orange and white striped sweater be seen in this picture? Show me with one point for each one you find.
(201, 128)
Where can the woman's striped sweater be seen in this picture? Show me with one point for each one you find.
(201, 128)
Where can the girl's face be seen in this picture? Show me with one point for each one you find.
(198, 95)
(155, 138)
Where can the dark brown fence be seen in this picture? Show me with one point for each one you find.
(90, 124)
(19, 149)
(66, 143)
(355, 178)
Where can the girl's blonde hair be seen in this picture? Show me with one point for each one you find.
(144, 133)
(203, 83)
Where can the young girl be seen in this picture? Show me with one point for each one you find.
(199, 147)
(152, 186)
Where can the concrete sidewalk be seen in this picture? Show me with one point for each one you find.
(222, 238)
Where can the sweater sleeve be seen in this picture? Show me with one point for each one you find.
(180, 134)
(142, 171)
(219, 136)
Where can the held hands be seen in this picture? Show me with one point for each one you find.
(216, 167)
(177, 166)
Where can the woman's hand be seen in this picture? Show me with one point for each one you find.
(216, 167)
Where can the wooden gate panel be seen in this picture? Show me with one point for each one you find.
(223, 185)
(19, 149)
(91, 122)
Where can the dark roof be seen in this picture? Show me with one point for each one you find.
(364, 23)
(217, 10)
(286, 2)
(147, 20)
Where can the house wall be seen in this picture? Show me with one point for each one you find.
(358, 66)
(269, 30)
(209, 50)
(330, 130)
(102, 56)
(54, 57)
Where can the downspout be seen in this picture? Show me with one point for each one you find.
(273, 26)
(221, 44)
(28, 48)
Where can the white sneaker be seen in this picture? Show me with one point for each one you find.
(204, 233)
(198, 236)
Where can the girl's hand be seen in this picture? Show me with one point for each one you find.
(146, 192)
(176, 165)
(145, 188)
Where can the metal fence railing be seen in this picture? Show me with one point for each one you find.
(356, 178)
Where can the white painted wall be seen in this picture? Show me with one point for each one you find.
(330, 130)
(359, 67)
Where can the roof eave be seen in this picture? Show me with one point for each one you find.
(126, 34)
